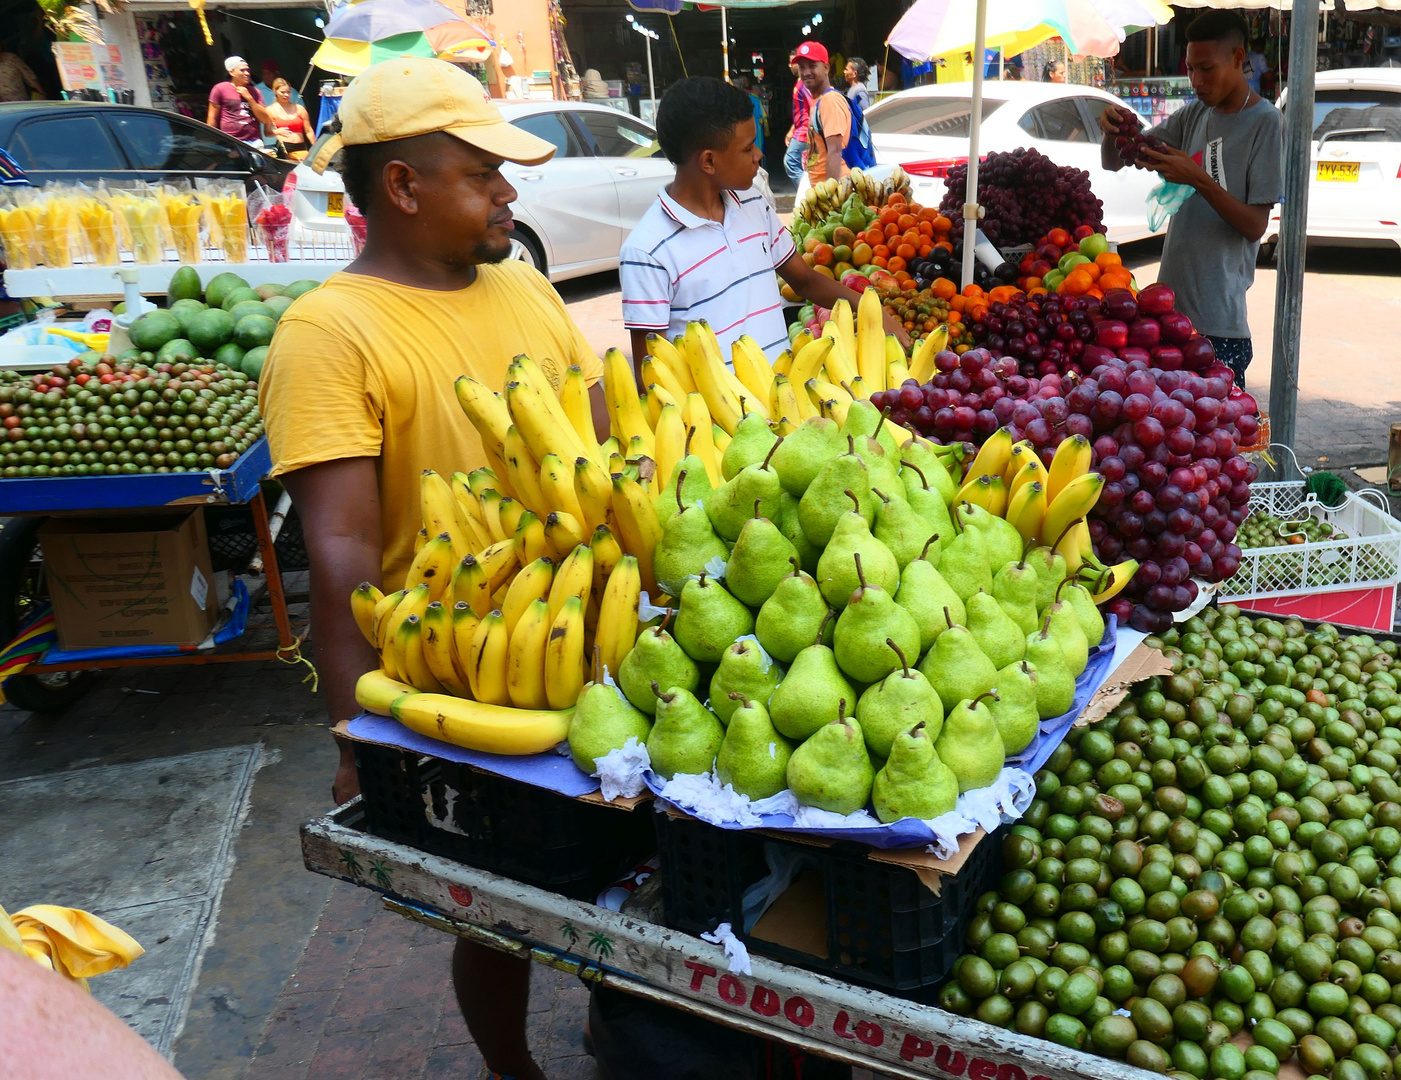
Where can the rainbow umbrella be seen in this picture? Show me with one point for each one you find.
(364, 33)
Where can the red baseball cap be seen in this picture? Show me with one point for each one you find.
(814, 51)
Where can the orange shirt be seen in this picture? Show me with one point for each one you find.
(831, 115)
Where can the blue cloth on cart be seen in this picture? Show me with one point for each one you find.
(233, 627)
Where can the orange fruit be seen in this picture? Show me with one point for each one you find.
(895, 263)
(1108, 259)
(943, 288)
(906, 251)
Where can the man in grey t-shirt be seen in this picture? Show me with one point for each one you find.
(1227, 145)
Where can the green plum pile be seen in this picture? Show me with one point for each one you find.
(1267, 530)
(1220, 859)
(97, 416)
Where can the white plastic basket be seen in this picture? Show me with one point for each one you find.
(1369, 558)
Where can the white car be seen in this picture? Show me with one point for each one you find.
(572, 213)
(928, 127)
(1355, 189)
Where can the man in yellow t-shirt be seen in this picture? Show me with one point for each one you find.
(358, 393)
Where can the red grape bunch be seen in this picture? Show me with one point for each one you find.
(1131, 144)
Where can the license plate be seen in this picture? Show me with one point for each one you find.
(1343, 171)
(335, 204)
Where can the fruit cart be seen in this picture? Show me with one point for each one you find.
(53, 682)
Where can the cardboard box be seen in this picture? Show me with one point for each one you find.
(129, 581)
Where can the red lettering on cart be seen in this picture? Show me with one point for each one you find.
(799, 1011)
(949, 1060)
(839, 1025)
(731, 990)
(869, 1033)
(915, 1047)
(981, 1069)
(461, 894)
(764, 1002)
(1012, 1072)
(699, 973)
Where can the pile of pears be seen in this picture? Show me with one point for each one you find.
(840, 629)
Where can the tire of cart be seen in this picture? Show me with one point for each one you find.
(22, 590)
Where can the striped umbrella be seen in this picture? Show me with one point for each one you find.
(364, 33)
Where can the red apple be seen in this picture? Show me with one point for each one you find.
(1176, 327)
(1113, 334)
(1096, 355)
(1129, 353)
(1119, 304)
(1156, 299)
(1082, 231)
(1197, 353)
(1049, 252)
(1144, 333)
(1059, 237)
(1041, 267)
(1167, 357)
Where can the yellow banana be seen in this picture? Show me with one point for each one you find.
(808, 363)
(464, 627)
(574, 398)
(698, 420)
(497, 464)
(1074, 545)
(989, 492)
(786, 404)
(870, 340)
(375, 691)
(655, 373)
(565, 531)
(722, 404)
(841, 364)
(800, 339)
(484, 408)
(1075, 500)
(409, 658)
(439, 508)
(491, 501)
(433, 566)
(471, 586)
(379, 620)
(993, 455)
(1119, 575)
(523, 471)
(1032, 472)
(511, 511)
(607, 553)
(858, 389)
(564, 656)
(415, 602)
(437, 649)
(364, 601)
(1026, 510)
(639, 530)
(829, 391)
(721, 438)
(897, 371)
(657, 397)
(500, 562)
(486, 660)
(922, 358)
(481, 479)
(1072, 459)
(670, 443)
(557, 485)
(617, 613)
(784, 362)
(469, 513)
(1022, 453)
(551, 398)
(542, 431)
(594, 489)
(531, 584)
(574, 577)
(525, 659)
(752, 367)
(420, 538)
(668, 359)
(843, 322)
(491, 728)
(625, 410)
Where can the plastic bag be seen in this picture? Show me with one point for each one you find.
(141, 208)
(1165, 200)
(226, 217)
(784, 865)
(183, 213)
(18, 234)
(98, 224)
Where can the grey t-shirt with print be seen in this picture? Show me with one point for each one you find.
(1207, 262)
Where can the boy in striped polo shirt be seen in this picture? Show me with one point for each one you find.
(709, 246)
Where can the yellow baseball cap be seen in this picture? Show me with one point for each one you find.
(414, 95)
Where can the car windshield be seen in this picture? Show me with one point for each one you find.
(1357, 115)
(927, 116)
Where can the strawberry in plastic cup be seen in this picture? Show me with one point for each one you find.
(273, 225)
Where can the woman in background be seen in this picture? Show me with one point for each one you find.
(290, 122)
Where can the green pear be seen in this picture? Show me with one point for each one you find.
(603, 721)
(791, 526)
(992, 628)
(813, 443)
(1015, 708)
(914, 783)
(743, 669)
(688, 543)
(685, 737)
(759, 560)
(826, 500)
(1050, 572)
(695, 488)
(811, 691)
(1091, 621)
(863, 418)
(956, 667)
(832, 770)
(882, 468)
(929, 598)
(896, 704)
(732, 504)
(924, 455)
(1001, 540)
(836, 569)
(1015, 588)
(791, 617)
(655, 657)
(1055, 685)
(873, 632)
(970, 744)
(1066, 629)
(900, 528)
(927, 503)
(751, 442)
(754, 757)
(964, 563)
(709, 619)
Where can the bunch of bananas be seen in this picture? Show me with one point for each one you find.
(828, 195)
(1046, 505)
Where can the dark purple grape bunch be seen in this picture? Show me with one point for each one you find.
(1131, 144)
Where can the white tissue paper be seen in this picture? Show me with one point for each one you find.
(765, 660)
(735, 951)
(620, 772)
(716, 567)
(647, 611)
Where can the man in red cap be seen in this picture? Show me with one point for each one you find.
(829, 123)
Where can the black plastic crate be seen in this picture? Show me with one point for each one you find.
(233, 541)
(885, 929)
(503, 826)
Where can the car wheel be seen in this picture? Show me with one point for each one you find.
(527, 249)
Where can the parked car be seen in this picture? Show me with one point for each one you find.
(573, 212)
(1355, 174)
(929, 124)
(88, 141)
